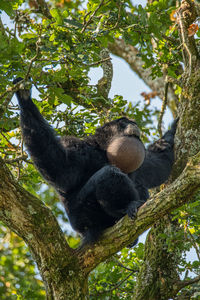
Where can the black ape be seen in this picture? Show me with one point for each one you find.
(95, 194)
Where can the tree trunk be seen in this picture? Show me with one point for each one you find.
(61, 287)
(157, 277)
(159, 272)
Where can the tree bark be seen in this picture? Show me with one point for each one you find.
(65, 270)
(158, 275)
(35, 224)
(160, 266)
(157, 272)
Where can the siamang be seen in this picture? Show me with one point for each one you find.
(95, 193)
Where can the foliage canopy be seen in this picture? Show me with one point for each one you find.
(56, 43)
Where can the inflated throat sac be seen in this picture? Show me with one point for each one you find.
(127, 153)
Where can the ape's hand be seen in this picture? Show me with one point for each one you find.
(24, 91)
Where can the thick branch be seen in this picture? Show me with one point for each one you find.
(126, 230)
(34, 222)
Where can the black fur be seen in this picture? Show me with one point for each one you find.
(95, 194)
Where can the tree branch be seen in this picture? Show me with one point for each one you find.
(186, 15)
(130, 55)
(92, 15)
(35, 223)
(183, 283)
(104, 84)
(163, 108)
(127, 230)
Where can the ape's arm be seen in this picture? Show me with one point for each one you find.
(158, 162)
(44, 147)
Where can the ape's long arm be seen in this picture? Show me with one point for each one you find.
(44, 147)
(157, 165)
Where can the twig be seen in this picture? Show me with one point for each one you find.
(33, 59)
(14, 146)
(86, 15)
(164, 104)
(17, 159)
(185, 43)
(11, 90)
(170, 39)
(174, 81)
(121, 282)
(98, 26)
(118, 17)
(115, 286)
(92, 15)
(64, 61)
(124, 267)
(99, 62)
(3, 31)
(5, 103)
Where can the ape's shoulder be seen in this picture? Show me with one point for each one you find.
(71, 142)
(86, 152)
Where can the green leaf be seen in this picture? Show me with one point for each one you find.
(7, 7)
(56, 14)
(29, 36)
(66, 99)
(73, 22)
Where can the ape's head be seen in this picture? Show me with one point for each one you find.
(121, 139)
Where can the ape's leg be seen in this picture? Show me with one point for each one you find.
(116, 193)
(113, 191)
(107, 196)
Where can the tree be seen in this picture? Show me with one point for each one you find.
(56, 43)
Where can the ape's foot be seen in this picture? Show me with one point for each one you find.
(132, 209)
(24, 91)
(90, 237)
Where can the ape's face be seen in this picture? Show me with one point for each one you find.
(122, 126)
(117, 128)
(129, 127)
(124, 148)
